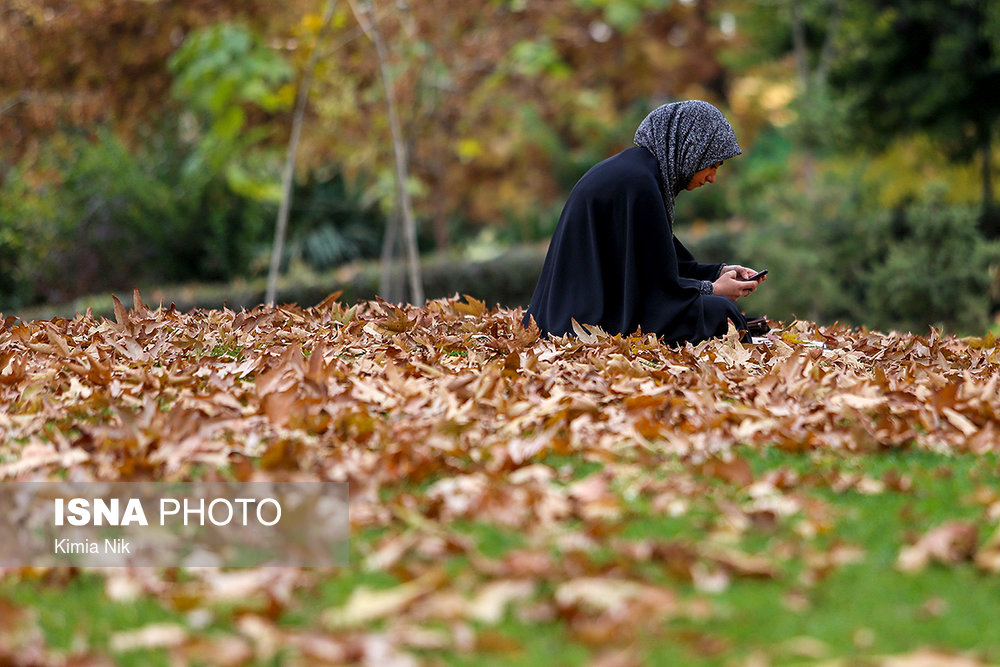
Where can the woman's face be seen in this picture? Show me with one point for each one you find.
(700, 178)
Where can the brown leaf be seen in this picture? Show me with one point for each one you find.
(491, 601)
(743, 564)
(587, 334)
(472, 306)
(366, 604)
(156, 635)
(601, 594)
(396, 321)
(988, 556)
(215, 650)
(121, 316)
(926, 657)
(960, 421)
(733, 470)
(948, 544)
(329, 301)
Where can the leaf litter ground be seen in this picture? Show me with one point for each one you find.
(826, 495)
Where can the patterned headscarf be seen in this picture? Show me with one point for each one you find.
(685, 137)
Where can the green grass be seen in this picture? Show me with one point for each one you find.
(861, 609)
(78, 611)
(869, 607)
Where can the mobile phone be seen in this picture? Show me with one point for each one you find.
(758, 276)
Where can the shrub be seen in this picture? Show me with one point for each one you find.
(938, 272)
(92, 215)
(332, 223)
(93, 226)
(832, 257)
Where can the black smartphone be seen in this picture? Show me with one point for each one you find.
(758, 276)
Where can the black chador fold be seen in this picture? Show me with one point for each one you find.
(614, 261)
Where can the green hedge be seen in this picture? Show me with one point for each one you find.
(507, 279)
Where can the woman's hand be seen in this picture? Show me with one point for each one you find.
(730, 286)
(742, 272)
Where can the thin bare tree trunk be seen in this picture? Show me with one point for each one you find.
(391, 285)
(288, 176)
(987, 150)
(829, 44)
(799, 42)
(366, 17)
(808, 170)
(813, 80)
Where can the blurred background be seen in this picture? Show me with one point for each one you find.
(143, 142)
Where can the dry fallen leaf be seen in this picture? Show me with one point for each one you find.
(157, 635)
(926, 657)
(366, 604)
(490, 602)
(951, 543)
(987, 557)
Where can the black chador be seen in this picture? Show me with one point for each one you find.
(614, 261)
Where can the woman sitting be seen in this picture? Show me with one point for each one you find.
(614, 260)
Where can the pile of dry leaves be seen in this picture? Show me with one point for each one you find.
(456, 412)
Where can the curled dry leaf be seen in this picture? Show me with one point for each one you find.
(951, 543)
(366, 604)
(596, 595)
(157, 635)
(490, 602)
(926, 657)
(988, 556)
(218, 651)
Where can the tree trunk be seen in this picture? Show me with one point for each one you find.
(440, 216)
(288, 176)
(369, 24)
(987, 149)
(989, 221)
(391, 285)
(799, 43)
(828, 51)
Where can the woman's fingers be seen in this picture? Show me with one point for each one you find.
(732, 285)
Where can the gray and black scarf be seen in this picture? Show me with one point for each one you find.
(685, 137)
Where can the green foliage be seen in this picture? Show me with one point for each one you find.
(121, 218)
(623, 14)
(23, 241)
(225, 65)
(535, 57)
(939, 268)
(926, 65)
(770, 25)
(763, 169)
(99, 226)
(333, 224)
(117, 218)
(220, 72)
(77, 610)
(833, 256)
(820, 121)
(530, 227)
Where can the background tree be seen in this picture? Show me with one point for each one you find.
(83, 63)
(505, 104)
(801, 39)
(288, 173)
(925, 65)
(402, 227)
